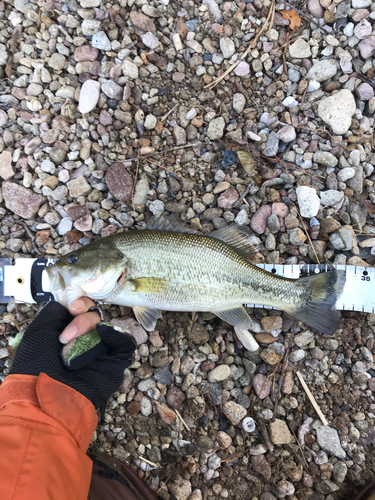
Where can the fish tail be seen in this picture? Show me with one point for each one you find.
(319, 307)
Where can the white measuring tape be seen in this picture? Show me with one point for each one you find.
(27, 281)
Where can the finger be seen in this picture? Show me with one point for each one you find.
(80, 325)
(80, 306)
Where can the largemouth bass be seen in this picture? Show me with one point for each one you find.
(169, 267)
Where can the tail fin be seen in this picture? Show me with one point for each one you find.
(322, 291)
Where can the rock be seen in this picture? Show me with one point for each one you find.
(150, 40)
(337, 111)
(213, 8)
(84, 223)
(345, 174)
(367, 48)
(229, 158)
(272, 324)
(3, 118)
(180, 488)
(150, 122)
(21, 201)
(363, 29)
(297, 237)
(356, 182)
(261, 387)
(142, 22)
(300, 49)
(57, 61)
(325, 158)
(234, 411)
(330, 197)
(215, 128)
(130, 69)
(247, 340)
(146, 406)
(308, 201)
(328, 439)
(78, 187)
(315, 9)
(242, 69)
(132, 327)
(227, 47)
(365, 91)
(88, 96)
(228, 199)
(198, 334)
(279, 432)
(112, 90)
(239, 102)
(258, 221)
(179, 135)
(6, 170)
(322, 70)
(261, 466)
(272, 145)
(284, 488)
(119, 182)
(101, 41)
(303, 339)
(219, 373)
(175, 398)
(287, 133)
(339, 471)
(85, 53)
(288, 383)
(341, 239)
(64, 226)
(361, 4)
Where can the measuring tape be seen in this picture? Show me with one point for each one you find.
(27, 282)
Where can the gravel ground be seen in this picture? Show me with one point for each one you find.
(98, 98)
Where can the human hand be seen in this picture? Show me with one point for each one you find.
(40, 351)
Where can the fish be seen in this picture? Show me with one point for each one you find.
(171, 267)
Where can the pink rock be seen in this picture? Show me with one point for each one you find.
(227, 199)
(84, 223)
(178, 77)
(3, 118)
(119, 182)
(6, 170)
(242, 69)
(315, 9)
(85, 53)
(367, 47)
(21, 201)
(261, 387)
(371, 384)
(142, 22)
(280, 209)
(105, 118)
(32, 145)
(267, 46)
(360, 14)
(259, 219)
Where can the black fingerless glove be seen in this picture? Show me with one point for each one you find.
(40, 352)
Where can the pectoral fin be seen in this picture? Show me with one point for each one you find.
(237, 317)
(146, 317)
(149, 285)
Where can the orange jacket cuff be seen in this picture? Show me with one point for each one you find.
(62, 403)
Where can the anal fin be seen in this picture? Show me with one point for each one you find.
(237, 317)
(147, 317)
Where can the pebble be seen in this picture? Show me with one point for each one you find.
(119, 182)
(78, 187)
(308, 201)
(3, 118)
(328, 440)
(365, 92)
(341, 239)
(227, 47)
(57, 61)
(300, 49)
(272, 145)
(181, 488)
(132, 327)
(6, 170)
(331, 197)
(322, 70)
(218, 374)
(234, 412)
(88, 96)
(337, 111)
(242, 69)
(101, 41)
(112, 90)
(21, 201)
(279, 432)
(258, 221)
(150, 40)
(287, 133)
(261, 386)
(239, 102)
(64, 226)
(215, 128)
(315, 8)
(146, 406)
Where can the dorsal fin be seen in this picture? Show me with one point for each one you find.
(170, 223)
(236, 236)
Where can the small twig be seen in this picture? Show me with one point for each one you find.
(166, 151)
(161, 166)
(251, 46)
(183, 421)
(301, 450)
(281, 379)
(149, 462)
(169, 112)
(240, 8)
(263, 429)
(307, 234)
(245, 193)
(39, 16)
(284, 53)
(135, 181)
(12, 48)
(164, 484)
(271, 21)
(312, 399)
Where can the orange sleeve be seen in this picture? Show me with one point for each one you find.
(45, 430)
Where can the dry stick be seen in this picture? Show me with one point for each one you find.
(312, 399)
(135, 181)
(183, 421)
(251, 46)
(12, 48)
(165, 151)
(271, 22)
(161, 166)
(307, 234)
(281, 379)
(240, 8)
(264, 432)
(164, 483)
(169, 112)
(148, 462)
(301, 450)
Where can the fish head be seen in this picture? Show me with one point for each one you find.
(92, 271)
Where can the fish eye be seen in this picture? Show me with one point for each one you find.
(73, 259)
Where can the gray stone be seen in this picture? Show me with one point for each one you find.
(339, 472)
(330, 197)
(89, 96)
(78, 187)
(300, 49)
(215, 128)
(345, 174)
(101, 41)
(322, 70)
(219, 373)
(328, 439)
(365, 91)
(287, 133)
(337, 111)
(356, 182)
(234, 412)
(150, 40)
(341, 239)
(308, 201)
(272, 145)
(64, 226)
(112, 90)
(130, 69)
(325, 158)
(227, 47)
(239, 101)
(303, 339)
